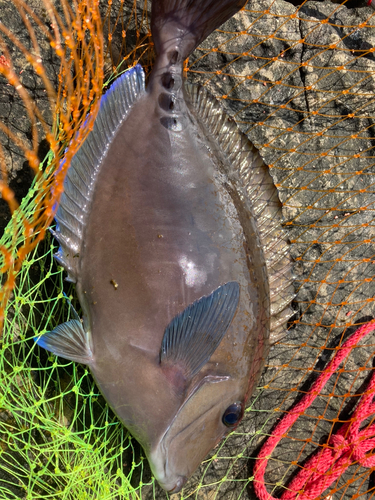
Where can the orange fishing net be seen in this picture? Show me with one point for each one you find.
(75, 40)
(299, 79)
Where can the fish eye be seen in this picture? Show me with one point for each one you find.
(233, 414)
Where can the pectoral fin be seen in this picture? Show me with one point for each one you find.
(193, 335)
(68, 340)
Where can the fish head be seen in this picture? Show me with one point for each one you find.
(211, 388)
(212, 409)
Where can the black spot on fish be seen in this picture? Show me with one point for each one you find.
(166, 102)
(173, 57)
(167, 81)
(171, 123)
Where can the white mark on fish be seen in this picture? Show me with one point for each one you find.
(194, 276)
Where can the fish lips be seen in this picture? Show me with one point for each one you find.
(179, 485)
(195, 430)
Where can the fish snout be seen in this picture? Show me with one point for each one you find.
(179, 485)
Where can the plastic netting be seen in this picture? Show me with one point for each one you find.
(299, 80)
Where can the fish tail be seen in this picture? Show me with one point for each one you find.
(179, 26)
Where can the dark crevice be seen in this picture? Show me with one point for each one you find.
(302, 70)
(357, 44)
(371, 133)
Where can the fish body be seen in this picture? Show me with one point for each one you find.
(176, 238)
(157, 231)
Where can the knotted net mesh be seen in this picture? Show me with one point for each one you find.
(299, 80)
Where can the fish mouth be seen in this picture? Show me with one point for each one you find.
(179, 485)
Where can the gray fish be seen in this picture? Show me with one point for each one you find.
(169, 225)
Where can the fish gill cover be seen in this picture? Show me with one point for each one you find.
(299, 81)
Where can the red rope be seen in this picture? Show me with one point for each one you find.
(349, 445)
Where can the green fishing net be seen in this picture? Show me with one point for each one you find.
(58, 437)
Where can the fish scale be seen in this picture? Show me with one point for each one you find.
(170, 226)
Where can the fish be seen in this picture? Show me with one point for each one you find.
(170, 227)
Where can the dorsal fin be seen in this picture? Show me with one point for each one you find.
(257, 182)
(79, 184)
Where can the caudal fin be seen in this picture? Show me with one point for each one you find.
(181, 25)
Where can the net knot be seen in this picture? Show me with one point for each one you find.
(340, 447)
(338, 443)
(354, 448)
